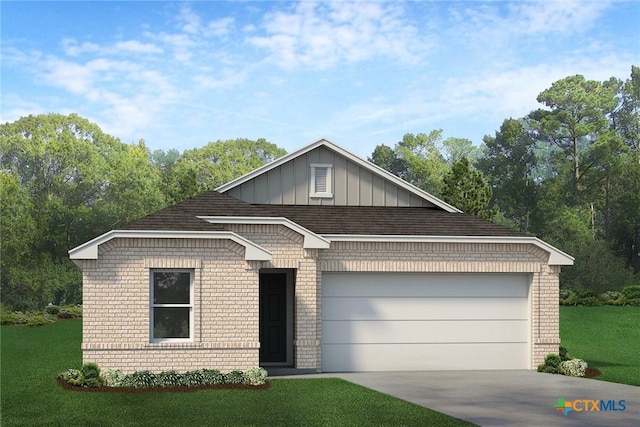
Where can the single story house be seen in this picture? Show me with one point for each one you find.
(320, 262)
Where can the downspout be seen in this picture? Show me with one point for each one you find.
(200, 297)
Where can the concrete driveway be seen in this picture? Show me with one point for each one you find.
(507, 398)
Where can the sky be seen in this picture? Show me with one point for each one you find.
(358, 73)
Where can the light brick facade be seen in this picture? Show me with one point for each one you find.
(116, 331)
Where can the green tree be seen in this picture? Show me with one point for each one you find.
(455, 149)
(386, 157)
(67, 182)
(202, 169)
(467, 190)
(577, 116)
(508, 164)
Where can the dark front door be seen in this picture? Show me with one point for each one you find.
(273, 318)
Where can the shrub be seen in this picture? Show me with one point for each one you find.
(611, 298)
(90, 370)
(113, 377)
(212, 377)
(140, 379)
(551, 364)
(39, 320)
(234, 377)
(564, 354)
(193, 378)
(9, 318)
(52, 309)
(255, 376)
(631, 295)
(169, 379)
(70, 312)
(573, 367)
(72, 376)
(568, 297)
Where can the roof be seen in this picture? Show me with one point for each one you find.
(206, 215)
(319, 219)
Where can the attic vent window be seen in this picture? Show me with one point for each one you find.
(321, 180)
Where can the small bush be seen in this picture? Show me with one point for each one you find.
(140, 379)
(573, 367)
(169, 379)
(113, 378)
(234, 377)
(52, 309)
(90, 370)
(568, 297)
(72, 376)
(39, 320)
(564, 354)
(70, 312)
(255, 376)
(212, 377)
(631, 292)
(551, 364)
(193, 378)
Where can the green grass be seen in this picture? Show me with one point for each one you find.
(32, 357)
(607, 337)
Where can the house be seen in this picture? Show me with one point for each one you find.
(318, 262)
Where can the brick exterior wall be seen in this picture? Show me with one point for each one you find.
(226, 293)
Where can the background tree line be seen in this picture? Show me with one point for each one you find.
(568, 173)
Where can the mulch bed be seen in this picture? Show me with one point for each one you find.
(591, 373)
(181, 389)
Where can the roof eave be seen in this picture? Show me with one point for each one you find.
(89, 250)
(556, 256)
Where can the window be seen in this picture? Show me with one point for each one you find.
(171, 305)
(321, 180)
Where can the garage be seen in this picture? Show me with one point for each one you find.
(425, 321)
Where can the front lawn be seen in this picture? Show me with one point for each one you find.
(607, 337)
(31, 357)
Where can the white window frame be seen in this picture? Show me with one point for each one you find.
(153, 306)
(329, 184)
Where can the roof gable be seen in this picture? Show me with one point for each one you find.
(354, 182)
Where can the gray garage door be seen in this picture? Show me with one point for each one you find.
(405, 322)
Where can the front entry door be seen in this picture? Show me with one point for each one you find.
(273, 318)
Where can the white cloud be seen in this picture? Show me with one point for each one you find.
(556, 16)
(324, 35)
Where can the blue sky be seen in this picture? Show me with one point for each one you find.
(181, 74)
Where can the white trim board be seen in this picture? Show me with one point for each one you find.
(89, 250)
(311, 239)
(556, 256)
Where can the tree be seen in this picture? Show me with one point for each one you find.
(467, 190)
(455, 149)
(508, 164)
(416, 159)
(202, 169)
(64, 182)
(626, 118)
(577, 115)
(385, 157)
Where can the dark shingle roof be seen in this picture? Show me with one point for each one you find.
(367, 220)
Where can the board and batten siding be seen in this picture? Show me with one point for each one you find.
(352, 185)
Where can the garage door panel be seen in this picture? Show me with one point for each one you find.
(404, 332)
(373, 308)
(413, 285)
(424, 321)
(416, 357)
